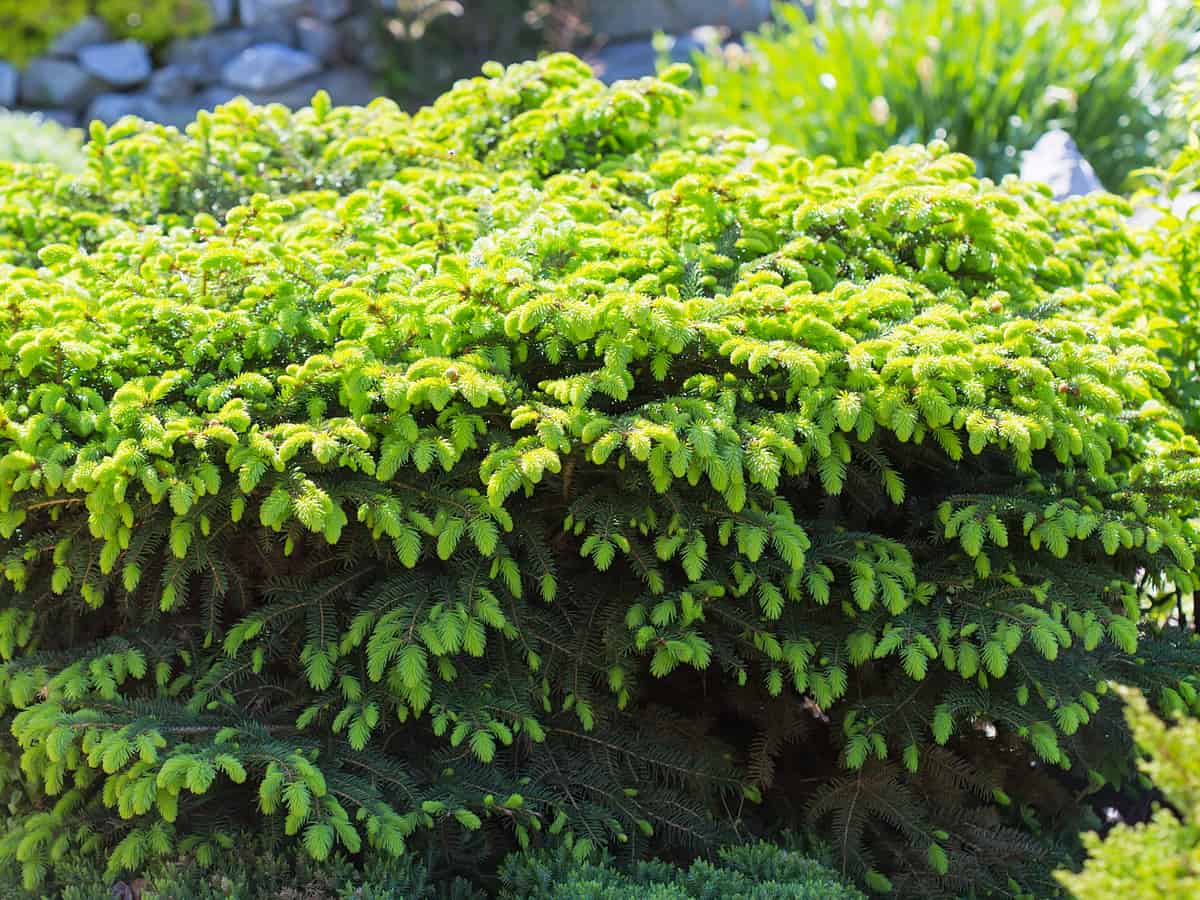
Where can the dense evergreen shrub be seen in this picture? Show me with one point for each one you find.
(249, 871)
(1157, 259)
(748, 872)
(506, 476)
(1165, 264)
(28, 138)
(988, 76)
(1156, 860)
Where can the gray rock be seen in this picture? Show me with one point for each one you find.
(206, 53)
(332, 10)
(179, 113)
(210, 53)
(318, 38)
(108, 108)
(621, 19)
(173, 82)
(281, 31)
(256, 12)
(58, 83)
(9, 79)
(361, 45)
(123, 64)
(346, 86)
(215, 96)
(1056, 161)
(221, 12)
(175, 113)
(356, 33)
(636, 59)
(268, 67)
(88, 30)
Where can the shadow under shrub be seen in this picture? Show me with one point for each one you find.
(507, 476)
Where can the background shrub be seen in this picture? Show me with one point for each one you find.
(987, 76)
(508, 476)
(1155, 860)
(31, 139)
(155, 21)
(26, 29)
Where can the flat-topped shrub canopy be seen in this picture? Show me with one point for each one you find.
(501, 475)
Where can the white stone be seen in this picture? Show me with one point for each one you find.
(1056, 161)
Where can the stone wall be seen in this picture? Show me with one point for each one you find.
(625, 28)
(268, 50)
(286, 50)
(622, 20)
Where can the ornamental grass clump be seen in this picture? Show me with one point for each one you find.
(508, 476)
(988, 76)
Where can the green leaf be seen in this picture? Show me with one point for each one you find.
(318, 840)
(468, 819)
(937, 859)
